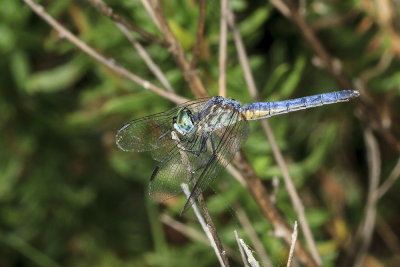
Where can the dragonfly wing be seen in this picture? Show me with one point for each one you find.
(227, 141)
(152, 132)
(177, 167)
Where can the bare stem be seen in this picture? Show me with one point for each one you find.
(222, 49)
(367, 225)
(294, 239)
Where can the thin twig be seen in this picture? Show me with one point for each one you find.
(147, 59)
(241, 54)
(294, 239)
(236, 174)
(151, 13)
(367, 225)
(281, 6)
(203, 224)
(240, 249)
(184, 229)
(251, 233)
(106, 11)
(213, 229)
(296, 201)
(110, 63)
(177, 52)
(223, 32)
(193, 233)
(199, 34)
(394, 175)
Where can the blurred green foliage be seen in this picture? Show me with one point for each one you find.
(69, 197)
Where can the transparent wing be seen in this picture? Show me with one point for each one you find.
(153, 132)
(181, 165)
(228, 142)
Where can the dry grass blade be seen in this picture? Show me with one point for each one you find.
(294, 239)
(367, 225)
(240, 249)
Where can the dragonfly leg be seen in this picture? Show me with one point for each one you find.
(213, 145)
(193, 142)
(203, 143)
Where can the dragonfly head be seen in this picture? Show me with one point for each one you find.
(183, 122)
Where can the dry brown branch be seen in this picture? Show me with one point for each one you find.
(296, 201)
(199, 34)
(106, 11)
(223, 32)
(110, 63)
(177, 52)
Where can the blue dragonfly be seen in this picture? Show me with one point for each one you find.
(194, 141)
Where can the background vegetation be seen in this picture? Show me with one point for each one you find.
(69, 197)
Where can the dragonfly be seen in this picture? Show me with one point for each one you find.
(196, 140)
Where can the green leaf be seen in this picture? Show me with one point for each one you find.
(56, 79)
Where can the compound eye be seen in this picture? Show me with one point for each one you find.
(183, 121)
